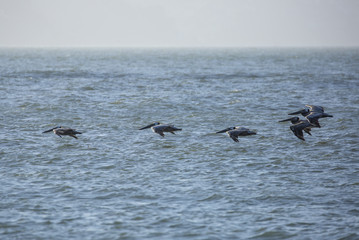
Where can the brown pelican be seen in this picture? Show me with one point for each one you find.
(312, 113)
(299, 126)
(161, 128)
(235, 132)
(63, 131)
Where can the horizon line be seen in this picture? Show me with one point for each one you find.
(178, 46)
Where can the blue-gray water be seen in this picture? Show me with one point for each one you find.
(116, 182)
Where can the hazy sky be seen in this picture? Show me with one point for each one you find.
(179, 23)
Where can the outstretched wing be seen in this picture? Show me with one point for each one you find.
(72, 135)
(307, 130)
(298, 128)
(244, 132)
(234, 135)
(171, 128)
(297, 132)
(234, 138)
(313, 118)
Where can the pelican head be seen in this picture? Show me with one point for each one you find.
(50, 130)
(151, 125)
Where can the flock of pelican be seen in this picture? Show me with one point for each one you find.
(310, 112)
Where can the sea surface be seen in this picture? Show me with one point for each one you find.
(117, 182)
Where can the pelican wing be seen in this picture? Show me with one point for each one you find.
(307, 130)
(232, 134)
(171, 128)
(159, 129)
(71, 131)
(297, 132)
(313, 118)
(238, 132)
(244, 132)
(66, 131)
(298, 128)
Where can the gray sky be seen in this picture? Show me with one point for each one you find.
(179, 23)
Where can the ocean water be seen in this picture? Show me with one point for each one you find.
(117, 182)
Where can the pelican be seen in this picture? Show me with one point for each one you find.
(63, 131)
(161, 128)
(235, 132)
(312, 113)
(299, 126)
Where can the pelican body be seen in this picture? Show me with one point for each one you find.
(299, 126)
(312, 113)
(161, 128)
(61, 131)
(235, 132)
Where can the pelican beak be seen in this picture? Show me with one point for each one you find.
(148, 126)
(224, 130)
(50, 130)
(285, 120)
(297, 112)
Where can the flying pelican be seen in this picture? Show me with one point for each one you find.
(161, 128)
(235, 132)
(63, 131)
(312, 113)
(299, 126)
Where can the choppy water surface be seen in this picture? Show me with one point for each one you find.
(116, 182)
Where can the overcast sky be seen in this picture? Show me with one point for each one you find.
(179, 23)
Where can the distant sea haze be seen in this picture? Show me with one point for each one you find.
(117, 182)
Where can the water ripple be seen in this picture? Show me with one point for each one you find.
(118, 182)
